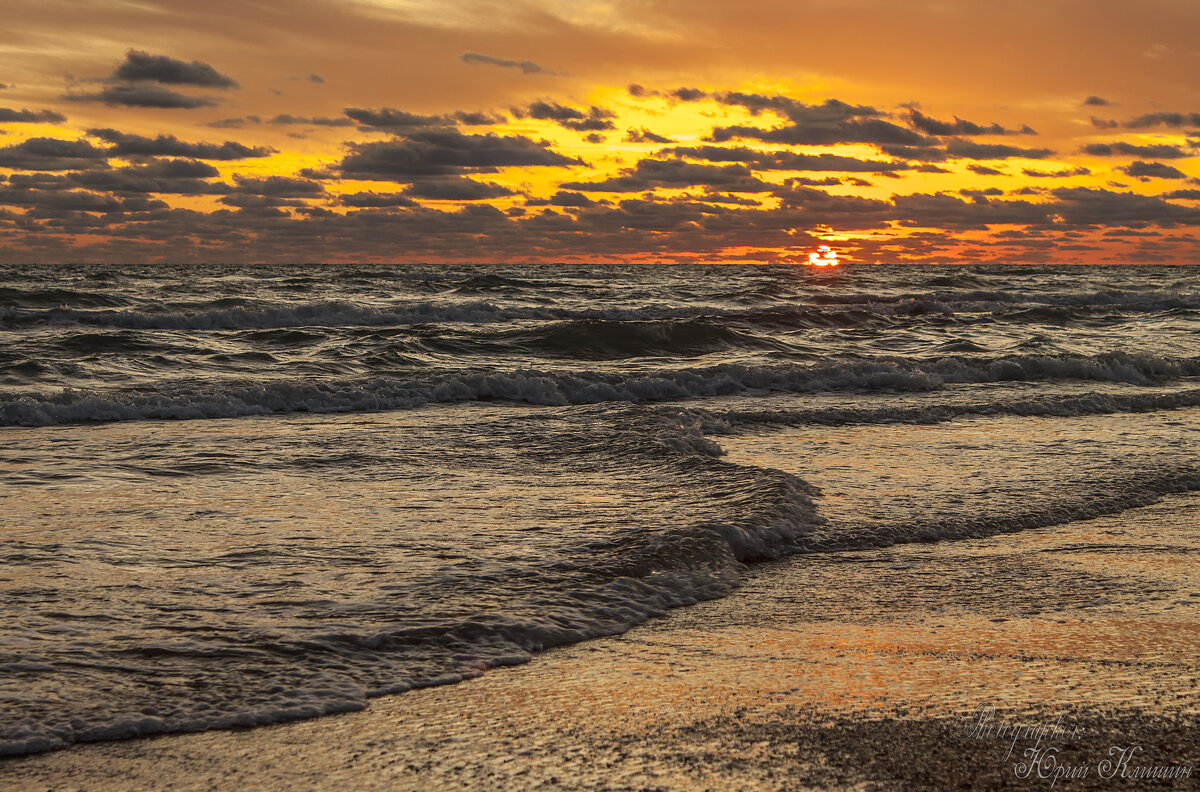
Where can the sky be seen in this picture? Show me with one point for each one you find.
(639, 131)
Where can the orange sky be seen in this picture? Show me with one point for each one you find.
(410, 130)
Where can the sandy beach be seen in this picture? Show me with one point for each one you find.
(955, 665)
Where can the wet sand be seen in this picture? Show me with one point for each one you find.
(864, 670)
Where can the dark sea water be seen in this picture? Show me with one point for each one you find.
(232, 496)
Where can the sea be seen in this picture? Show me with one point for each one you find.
(234, 495)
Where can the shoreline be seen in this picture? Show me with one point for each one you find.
(831, 671)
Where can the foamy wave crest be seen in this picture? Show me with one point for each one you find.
(994, 300)
(228, 399)
(722, 421)
(1140, 488)
(315, 314)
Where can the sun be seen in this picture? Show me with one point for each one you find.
(824, 256)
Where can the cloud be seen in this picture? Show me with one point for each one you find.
(143, 96)
(278, 186)
(457, 188)
(825, 124)
(676, 173)
(234, 123)
(174, 176)
(1096, 101)
(1164, 119)
(374, 200)
(526, 67)
(644, 135)
(591, 119)
(1147, 170)
(284, 118)
(478, 119)
(967, 149)
(8, 116)
(932, 126)
(390, 118)
(786, 160)
(51, 154)
(124, 145)
(1058, 174)
(316, 78)
(1118, 148)
(828, 181)
(446, 153)
(984, 170)
(144, 67)
(1093, 207)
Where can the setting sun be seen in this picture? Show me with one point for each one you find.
(824, 256)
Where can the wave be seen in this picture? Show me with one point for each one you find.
(228, 399)
(1062, 406)
(828, 311)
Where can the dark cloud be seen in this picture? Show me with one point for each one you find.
(374, 200)
(316, 78)
(56, 201)
(1153, 151)
(234, 123)
(174, 176)
(526, 67)
(390, 118)
(785, 160)
(278, 186)
(8, 116)
(594, 138)
(591, 119)
(1190, 195)
(456, 188)
(570, 199)
(1164, 119)
(828, 181)
(446, 152)
(958, 126)
(478, 119)
(143, 96)
(1147, 170)
(144, 67)
(941, 210)
(1103, 123)
(1096, 101)
(1058, 174)
(284, 118)
(967, 149)
(125, 145)
(254, 201)
(826, 124)
(984, 170)
(644, 135)
(1092, 207)
(689, 94)
(918, 153)
(52, 154)
(676, 173)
